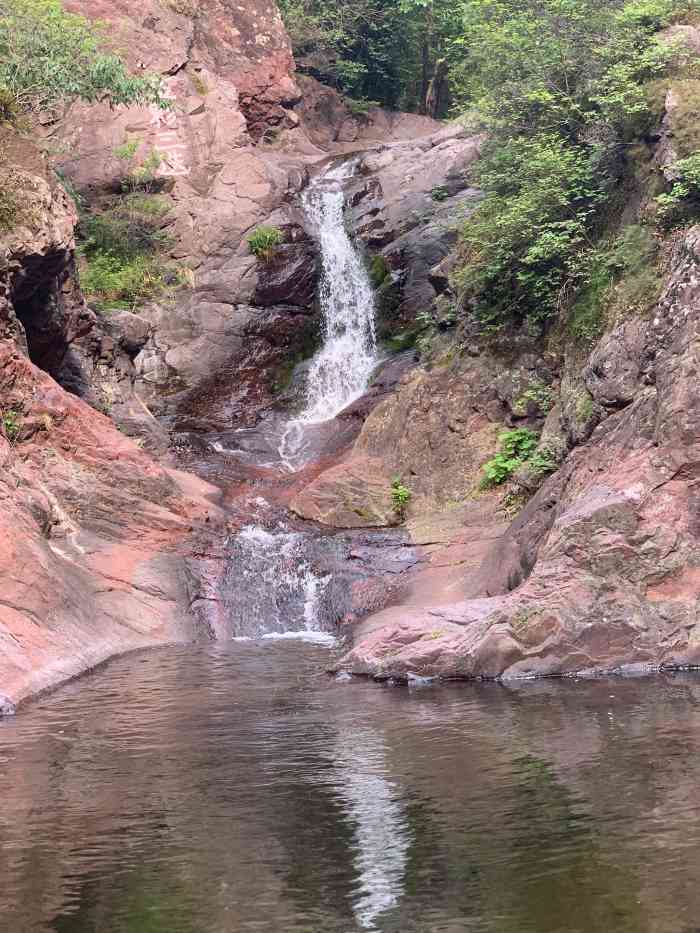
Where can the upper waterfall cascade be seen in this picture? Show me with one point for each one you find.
(340, 371)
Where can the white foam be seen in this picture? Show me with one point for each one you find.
(340, 371)
(314, 638)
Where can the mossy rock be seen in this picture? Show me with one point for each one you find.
(398, 343)
(378, 270)
(684, 117)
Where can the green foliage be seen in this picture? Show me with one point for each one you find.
(378, 270)
(11, 424)
(542, 463)
(400, 497)
(683, 200)
(384, 52)
(586, 316)
(123, 246)
(9, 107)
(140, 174)
(439, 193)
(556, 65)
(119, 283)
(618, 277)
(130, 227)
(10, 202)
(49, 58)
(264, 240)
(633, 261)
(584, 407)
(517, 446)
(538, 394)
(518, 245)
(561, 85)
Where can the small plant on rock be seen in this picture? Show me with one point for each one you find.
(538, 394)
(138, 175)
(517, 446)
(11, 424)
(263, 242)
(542, 463)
(400, 497)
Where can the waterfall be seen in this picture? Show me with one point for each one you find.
(272, 589)
(340, 371)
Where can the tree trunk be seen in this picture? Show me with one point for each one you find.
(438, 92)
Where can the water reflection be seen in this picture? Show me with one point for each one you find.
(380, 826)
(236, 790)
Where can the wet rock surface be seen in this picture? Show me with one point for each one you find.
(599, 570)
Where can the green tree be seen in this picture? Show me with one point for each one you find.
(384, 52)
(49, 58)
(561, 86)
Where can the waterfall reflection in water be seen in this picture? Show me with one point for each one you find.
(381, 829)
(234, 789)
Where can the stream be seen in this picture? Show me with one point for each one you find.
(236, 787)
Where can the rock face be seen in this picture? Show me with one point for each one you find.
(235, 151)
(435, 432)
(408, 203)
(599, 571)
(95, 537)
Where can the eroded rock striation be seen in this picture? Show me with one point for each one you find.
(599, 571)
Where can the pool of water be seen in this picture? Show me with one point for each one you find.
(238, 788)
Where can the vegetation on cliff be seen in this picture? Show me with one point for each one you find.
(49, 58)
(390, 53)
(564, 89)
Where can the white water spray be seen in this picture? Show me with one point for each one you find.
(340, 372)
(276, 590)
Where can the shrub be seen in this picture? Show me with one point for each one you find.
(537, 393)
(683, 200)
(9, 203)
(562, 87)
(132, 226)
(619, 276)
(11, 424)
(542, 463)
(124, 252)
(139, 175)
(439, 193)
(518, 244)
(119, 283)
(517, 446)
(264, 240)
(49, 57)
(400, 497)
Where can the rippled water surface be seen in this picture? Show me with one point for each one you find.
(238, 789)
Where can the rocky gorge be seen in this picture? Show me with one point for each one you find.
(125, 475)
